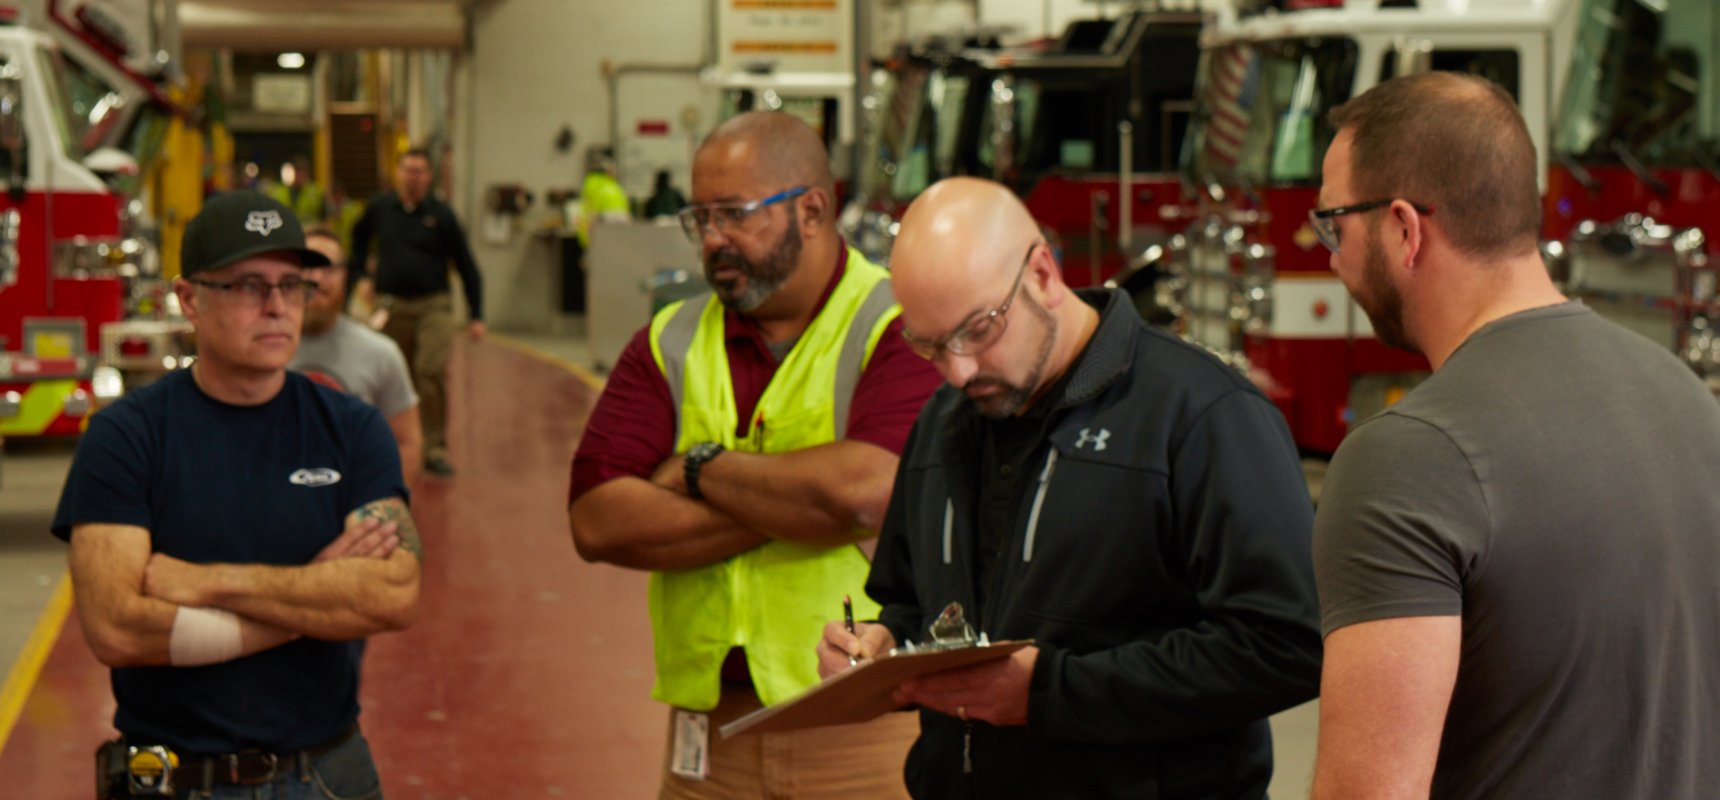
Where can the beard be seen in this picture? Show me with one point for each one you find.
(758, 281)
(1012, 399)
(320, 317)
(1380, 298)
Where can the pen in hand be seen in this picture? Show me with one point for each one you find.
(848, 619)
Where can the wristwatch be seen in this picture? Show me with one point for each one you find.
(696, 458)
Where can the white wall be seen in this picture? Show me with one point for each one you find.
(1033, 19)
(534, 66)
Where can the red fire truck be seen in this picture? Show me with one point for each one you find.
(80, 295)
(1248, 278)
(1074, 125)
(1635, 180)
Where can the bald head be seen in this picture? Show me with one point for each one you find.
(959, 235)
(982, 297)
(775, 150)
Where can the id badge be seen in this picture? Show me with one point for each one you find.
(692, 747)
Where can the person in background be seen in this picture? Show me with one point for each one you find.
(338, 352)
(299, 191)
(601, 198)
(416, 237)
(666, 200)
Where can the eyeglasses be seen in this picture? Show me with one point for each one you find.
(973, 337)
(254, 292)
(1325, 220)
(725, 217)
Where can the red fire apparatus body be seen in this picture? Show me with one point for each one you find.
(72, 278)
(1073, 125)
(1249, 278)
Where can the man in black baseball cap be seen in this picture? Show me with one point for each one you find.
(237, 225)
(236, 531)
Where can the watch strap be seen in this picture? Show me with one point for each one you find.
(697, 456)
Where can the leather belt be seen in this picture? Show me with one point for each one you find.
(248, 767)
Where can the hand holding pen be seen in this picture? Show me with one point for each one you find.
(848, 620)
(847, 643)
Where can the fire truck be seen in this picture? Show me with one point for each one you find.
(1635, 179)
(1248, 278)
(82, 304)
(1075, 126)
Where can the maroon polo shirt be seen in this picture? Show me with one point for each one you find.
(632, 429)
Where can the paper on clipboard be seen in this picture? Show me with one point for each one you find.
(863, 692)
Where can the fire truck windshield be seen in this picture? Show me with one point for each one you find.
(1260, 110)
(89, 107)
(1643, 84)
(913, 142)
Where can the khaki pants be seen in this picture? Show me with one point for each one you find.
(424, 329)
(861, 761)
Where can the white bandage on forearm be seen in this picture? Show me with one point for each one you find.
(204, 636)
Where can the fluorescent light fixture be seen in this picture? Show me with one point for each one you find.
(290, 60)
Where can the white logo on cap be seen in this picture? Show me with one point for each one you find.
(321, 476)
(263, 222)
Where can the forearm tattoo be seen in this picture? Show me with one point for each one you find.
(394, 510)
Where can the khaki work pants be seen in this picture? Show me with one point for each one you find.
(424, 329)
(862, 761)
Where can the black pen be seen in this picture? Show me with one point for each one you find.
(848, 619)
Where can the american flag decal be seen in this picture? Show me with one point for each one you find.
(1235, 82)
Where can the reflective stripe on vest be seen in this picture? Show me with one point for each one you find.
(773, 600)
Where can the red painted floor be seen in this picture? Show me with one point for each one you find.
(528, 673)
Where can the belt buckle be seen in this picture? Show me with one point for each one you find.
(273, 761)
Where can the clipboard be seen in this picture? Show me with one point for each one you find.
(863, 692)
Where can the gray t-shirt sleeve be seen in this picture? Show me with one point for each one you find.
(1402, 525)
(394, 392)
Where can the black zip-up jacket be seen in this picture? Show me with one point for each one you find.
(1161, 560)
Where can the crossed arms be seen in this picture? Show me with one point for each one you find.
(821, 495)
(365, 581)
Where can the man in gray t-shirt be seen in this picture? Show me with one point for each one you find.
(1516, 562)
(338, 352)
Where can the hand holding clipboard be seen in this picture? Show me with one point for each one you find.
(948, 674)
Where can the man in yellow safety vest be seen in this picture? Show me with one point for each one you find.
(744, 450)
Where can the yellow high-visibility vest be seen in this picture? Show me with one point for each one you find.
(775, 599)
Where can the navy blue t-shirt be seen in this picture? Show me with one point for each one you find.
(216, 483)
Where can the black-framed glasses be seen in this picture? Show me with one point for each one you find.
(978, 333)
(1325, 220)
(254, 292)
(725, 217)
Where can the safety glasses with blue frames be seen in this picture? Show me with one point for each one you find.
(1325, 220)
(726, 217)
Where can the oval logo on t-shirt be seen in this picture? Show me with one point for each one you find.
(321, 476)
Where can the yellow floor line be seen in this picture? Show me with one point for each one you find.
(22, 679)
(578, 371)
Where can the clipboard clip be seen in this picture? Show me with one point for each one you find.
(950, 631)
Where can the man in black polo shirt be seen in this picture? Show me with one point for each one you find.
(236, 530)
(416, 235)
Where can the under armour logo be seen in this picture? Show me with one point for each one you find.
(1088, 438)
(263, 222)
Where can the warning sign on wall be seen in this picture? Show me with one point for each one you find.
(792, 35)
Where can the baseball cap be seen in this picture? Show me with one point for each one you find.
(238, 225)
